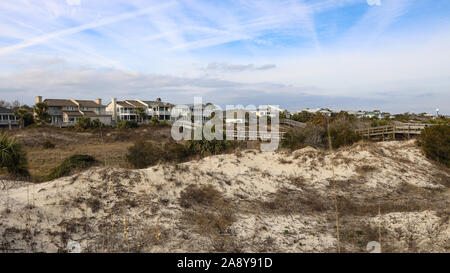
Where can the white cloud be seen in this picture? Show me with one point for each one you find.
(73, 30)
(226, 67)
(201, 47)
(374, 2)
(73, 2)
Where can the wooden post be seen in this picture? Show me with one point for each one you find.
(409, 136)
(393, 132)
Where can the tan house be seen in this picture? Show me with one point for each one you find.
(7, 118)
(66, 112)
(125, 110)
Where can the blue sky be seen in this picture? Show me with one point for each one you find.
(391, 55)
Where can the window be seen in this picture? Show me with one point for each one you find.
(71, 108)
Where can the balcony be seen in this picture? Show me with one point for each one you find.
(55, 112)
(6, 122)
(159, 113)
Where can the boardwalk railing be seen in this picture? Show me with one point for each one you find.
(391, 130)
(293, 123)
(246, 135)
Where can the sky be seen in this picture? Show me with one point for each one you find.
(389, 55)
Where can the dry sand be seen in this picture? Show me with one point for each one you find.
(268, 202)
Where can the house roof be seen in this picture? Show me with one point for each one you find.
(90, 113)
(135, 103)
(59, 102)
(125, 104)
(89, 103)
(317, 110)
(73, 113)
(5, 110)
(94, 114)
(151, 103)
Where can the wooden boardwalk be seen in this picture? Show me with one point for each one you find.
(253, 135)
(390, 131)
(293, 123)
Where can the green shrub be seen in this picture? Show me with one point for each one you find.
(155, 120)
(341, 132)
(163, 123)
(96, 123)
(41, 114)
(440, 120)
(211, 147)
(144, 154)
(158, 123)
(343, 137)
(435, 142)
(12, 156)
(377, 122)
(175, 152)
(48, 145)
(311, 135)
(303, 116)
(74, 162)
(126, 124)
(83, 123)
(293, 140)
(24, 115)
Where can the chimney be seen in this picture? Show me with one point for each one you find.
(114, 106)
(38, 99)
(98, 101)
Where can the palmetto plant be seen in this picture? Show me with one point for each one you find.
(140, 112)
(41, 113)
(210, 147)
(21, 113)
(12, 156)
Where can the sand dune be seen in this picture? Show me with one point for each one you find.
(249, 201)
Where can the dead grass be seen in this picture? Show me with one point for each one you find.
(407, 198)
(201, 196)
(349, 207)
(297, 181)
(108, 145)
(357, 233)
(282, 160)
(442, 179)
(365, 169)
(286, 201)
(41, 161)
(211, 214)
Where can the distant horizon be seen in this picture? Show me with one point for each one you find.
(390, 55)
(223, 106)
